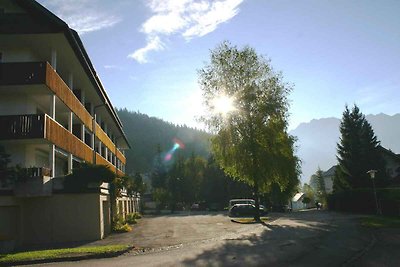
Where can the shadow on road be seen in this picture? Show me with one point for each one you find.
(294, 241)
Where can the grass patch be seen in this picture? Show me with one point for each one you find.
(381, 222)
(60, 253)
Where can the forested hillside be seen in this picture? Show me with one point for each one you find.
(146, 133)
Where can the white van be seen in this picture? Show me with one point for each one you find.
(241, 201)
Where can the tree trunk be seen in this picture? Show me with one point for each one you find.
(257, 213)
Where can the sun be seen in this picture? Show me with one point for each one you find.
(223, 105)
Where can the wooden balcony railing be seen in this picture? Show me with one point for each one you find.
(43, 73)
(21, 73)
(64, 139)
(103, 137)
(21, 127)
(102, 161)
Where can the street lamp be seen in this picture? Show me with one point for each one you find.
(372, 175)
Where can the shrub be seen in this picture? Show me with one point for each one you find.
(130, 218)
(120, 225)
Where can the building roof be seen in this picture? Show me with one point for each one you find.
(41, 20)
(389, 153)
(297, 197)
(330, 172)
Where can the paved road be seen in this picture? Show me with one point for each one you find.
(311, 238)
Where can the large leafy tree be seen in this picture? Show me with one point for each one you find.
(357, 153)
(247, 109)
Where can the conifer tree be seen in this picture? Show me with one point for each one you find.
(357, 153)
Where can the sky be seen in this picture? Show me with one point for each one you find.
(147, 53)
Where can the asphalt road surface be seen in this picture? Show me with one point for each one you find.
(310, 238)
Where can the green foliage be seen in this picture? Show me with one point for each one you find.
(138, 184)
(306, 200)
(10, 175)
(86, 174)
(219, 188)
(357, 153)
(131, 218)
(120, 225)
(160, 195)
(4, 159)
(309, 192)
(251, 143)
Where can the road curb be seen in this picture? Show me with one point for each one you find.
(358, 255)
(71, 258)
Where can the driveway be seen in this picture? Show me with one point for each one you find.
(311, 238)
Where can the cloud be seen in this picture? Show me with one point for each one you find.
(187, 18)
(153, 44)
(82, 15)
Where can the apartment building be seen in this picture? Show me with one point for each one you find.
(54, 115)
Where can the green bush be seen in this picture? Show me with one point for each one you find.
(137, 215)
(363, 201)
(120, 225)
(131, 219)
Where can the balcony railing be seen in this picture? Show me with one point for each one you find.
(21, 127)
(22, 73)
(37, 172)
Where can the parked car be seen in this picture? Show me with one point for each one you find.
(244, 210)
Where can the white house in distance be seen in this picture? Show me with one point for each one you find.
(54, 114)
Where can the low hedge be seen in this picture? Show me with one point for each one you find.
(363, 201)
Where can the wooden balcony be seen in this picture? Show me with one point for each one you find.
(102, 161)
(64, 139)
(25, 73)
(103, 137)
(21, 127)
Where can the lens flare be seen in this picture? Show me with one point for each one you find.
(178, 144)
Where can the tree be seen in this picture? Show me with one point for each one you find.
(357, 153)
(138, 184)
(309, 193)
(247, 109)
(159, 174)
(320, 189)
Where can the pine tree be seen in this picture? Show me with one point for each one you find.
(357, 153)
